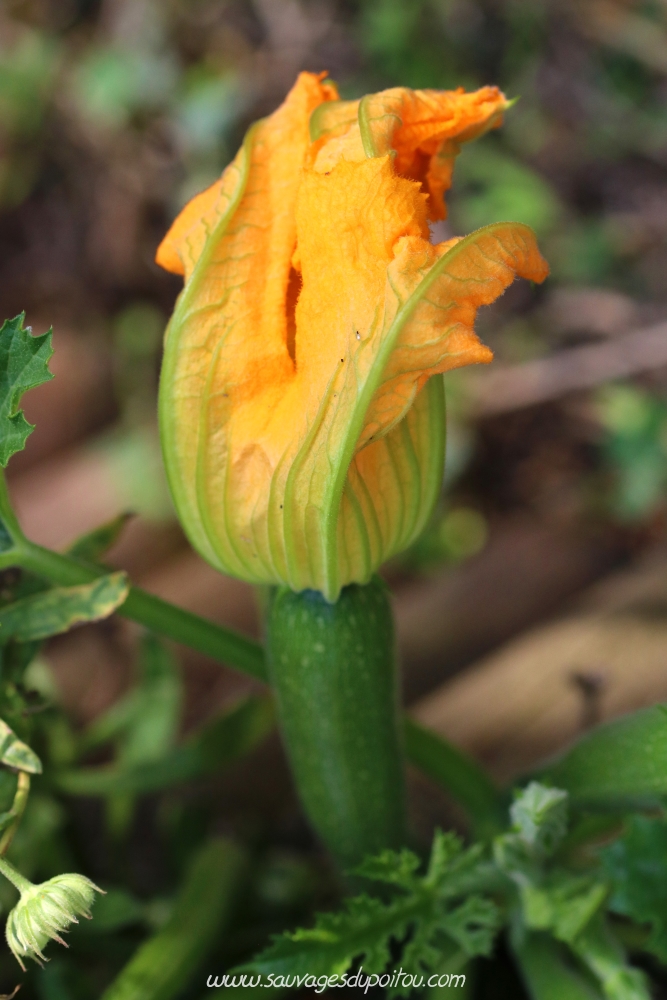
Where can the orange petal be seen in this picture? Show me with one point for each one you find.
(181, 247)
(423, 128)
(175, 253)
(439, 301)
(230, 328)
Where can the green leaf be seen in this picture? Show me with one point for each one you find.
(145, 722)
(92, 546)
(21, 584)
(23, 365)
(458, 774)
(163, 966)
(157, 700)
(363, 928)
(624, 761)
(391, 867)
(15, 753)
(54, 611)
(636, 865)
(112, 724)
(430, 914)
(224, 739)
(445, 851)
(473, 925)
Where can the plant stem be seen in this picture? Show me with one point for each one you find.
(334, 671)
(140, 606)
(546, 972)
(156, 614)
(166, 619)
(7, 514)
(463, 778)
(164, 964)
(10, 873)
(16, 811)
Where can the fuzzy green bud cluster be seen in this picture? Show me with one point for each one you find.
(44, 911)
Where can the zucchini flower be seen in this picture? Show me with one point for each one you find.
(44, 911)
(301, 403)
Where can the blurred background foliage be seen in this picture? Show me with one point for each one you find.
(112, 114)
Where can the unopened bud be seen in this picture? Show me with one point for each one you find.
(46, 910)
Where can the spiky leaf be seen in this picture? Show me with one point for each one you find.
(23, 365)
(635, 864)
(430, 915)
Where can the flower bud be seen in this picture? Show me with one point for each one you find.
(301, 403)
(44, 911)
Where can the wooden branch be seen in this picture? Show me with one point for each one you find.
(540, 691)
(514, 387)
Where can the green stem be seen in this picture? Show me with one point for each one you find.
(16, 811)
(146, 609)
(140, 606)
(605, 957)
(7, 514)
(158, 615)
(546, 972)
(465, 781)
(10, 873)
(164, 964)
(334, 671)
